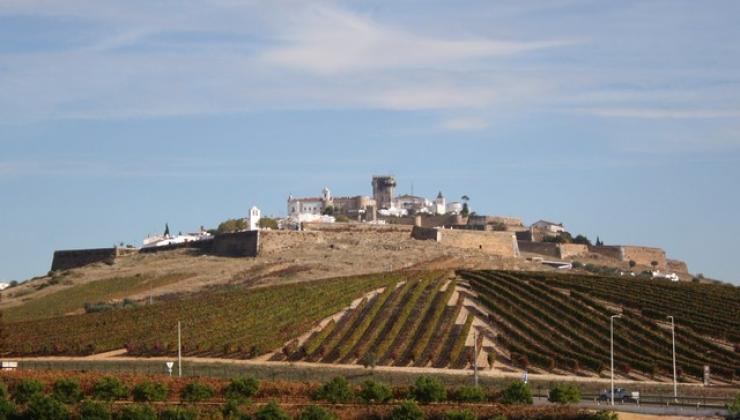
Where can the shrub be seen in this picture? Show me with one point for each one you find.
(375, 392)
(335, 391)
(94, 410)
(194, 392)
(178, 413)
(427, 389)
(734, 407)
(26, 389)
(577, 264)
(150, 391)
(564, 394)
(408, 410)
(241, 388)
(137, 412)
(517, 393)
(605, 415)
(109, 388)
(231, 410)
(43, 407)
(314, 412)
(271, 411)
(7, 409)
(469, 393)
(460, 415)
(3, 391)
(67, 390)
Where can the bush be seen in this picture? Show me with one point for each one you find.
(109, 388)
(734, 408)
(577, 264)
(460, 415)
(375, 392)
(517, 393)
(470, 394)
(232, 225)
(194, 392)
(94, 410)
(427, 389)
(408, 410)
(177, 413)
(150, 391)
(137, 412)
(564, 394)
(231, 410)
(314, 412)
(67, 390)
(7, 409)
(43, 407)
(335, 391)
(26, 389)
(241, 388)
(605, 415)
(271, 411)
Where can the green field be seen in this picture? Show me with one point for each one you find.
(74, 298)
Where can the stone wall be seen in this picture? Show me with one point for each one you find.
(204, 245)
(237, 244)
(677, 266)
(542, 248)
(425, 234)
(572, 250)
(609, 251)
(496, 243)
(509, 222)
(354, 227)
(644, 255)
(74, 258)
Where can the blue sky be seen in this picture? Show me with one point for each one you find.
(620, 119)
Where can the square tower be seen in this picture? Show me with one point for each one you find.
(384, 189)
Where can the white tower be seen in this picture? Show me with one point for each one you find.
(254, 218)
(440, 204)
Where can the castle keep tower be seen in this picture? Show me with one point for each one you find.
(384, 189)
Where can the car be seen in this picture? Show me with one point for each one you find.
(620, 394)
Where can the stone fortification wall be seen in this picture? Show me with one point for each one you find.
(237, 244)
(509, 222)
(677, 266)
(74, 258)
(425, 234)
(496, 243)
(542, 248)
(280, 240)
(204, 245)
(355, 227)
(572, 250)
(644, 255)
(609, 251)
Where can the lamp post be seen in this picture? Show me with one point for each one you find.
(611, 329)
(179, 351)
(673, 335)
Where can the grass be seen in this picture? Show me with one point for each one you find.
(73, 298)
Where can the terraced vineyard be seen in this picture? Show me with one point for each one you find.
(407, 324)
(561, 322)
(237, 323)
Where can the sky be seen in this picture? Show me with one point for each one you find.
(619, 119)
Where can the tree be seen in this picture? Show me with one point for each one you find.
(150, 391)
(465, 210)
(582, 240)
(375, 393)
(241, 388)
(232, 225)
(67, 390)
(27, 389)
(43, 407)
(408, 410)
(460, 415)
(94, 410)
(469, 394)
(564, 394)
(517, 393)
(335, 391)
(196, 392)
(632, 263)
(427, 389)
(137, 412)
(370, 360)
(599, 242)
(328, 211)
(271, 411)
(315, 412)
(268, 223)
(734, 408)
(109, 388)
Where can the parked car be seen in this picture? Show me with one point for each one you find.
(620, 394)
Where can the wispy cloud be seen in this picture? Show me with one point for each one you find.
(464, 124)
(658, 113)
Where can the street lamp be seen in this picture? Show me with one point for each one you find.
(611, 329)
(673, 334)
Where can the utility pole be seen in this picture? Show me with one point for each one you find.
(475, 356)
(179, 351)
(673, 335)
(611, 329)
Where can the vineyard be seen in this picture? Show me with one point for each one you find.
(233, 323)
(561, 322)
(408, 324)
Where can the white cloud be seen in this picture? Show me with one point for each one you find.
(330, 41)
(660, 113)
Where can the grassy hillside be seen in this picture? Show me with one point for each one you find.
(75, 297)
(237, 322)
(553, 321)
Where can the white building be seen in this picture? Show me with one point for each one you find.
(548, 226)
(4, 286)
(167, 239)
(254, 218)
(440, 206)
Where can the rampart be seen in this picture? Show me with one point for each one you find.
(425, 234)
(609, 251)
(677, 266)
(496, 243)
(572, 250)
(74, 258)
(237, 244)
(542, 248)
(204, 245)
(644, 256)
